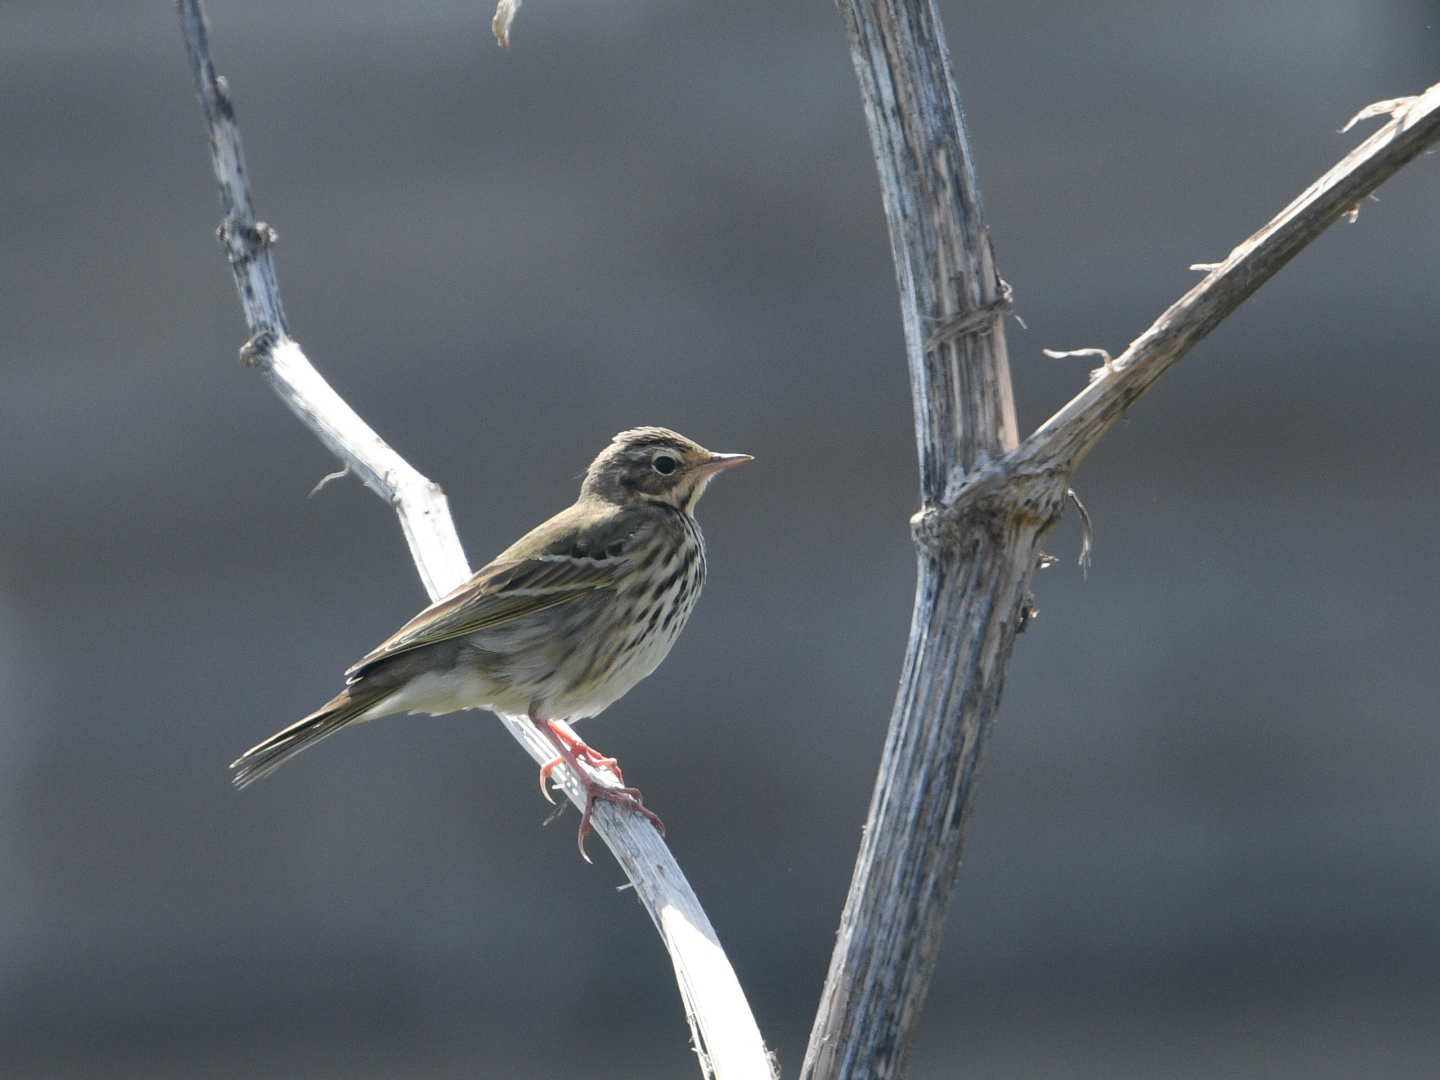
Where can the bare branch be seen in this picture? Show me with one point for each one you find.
(952, 301)
(985, 511)
(1063, 440)
(421, 505)
(952, 305)
(725, 1035)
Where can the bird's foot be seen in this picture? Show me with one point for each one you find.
(587, 754)
(563, 735)
(573, 751)
(627, 797)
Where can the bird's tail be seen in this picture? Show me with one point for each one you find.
(264, 758)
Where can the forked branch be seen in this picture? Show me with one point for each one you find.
(725, 1036)
(986, 504)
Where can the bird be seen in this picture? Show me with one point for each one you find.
(558, 627)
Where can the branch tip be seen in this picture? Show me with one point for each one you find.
(504, 17)
(1088, 531)
(1107, 368)
(1391, 107)
(327, 478)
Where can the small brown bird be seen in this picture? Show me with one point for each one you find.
(559, 626)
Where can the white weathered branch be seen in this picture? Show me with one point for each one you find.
(424, 514)
(725, 1035)
(986, 504)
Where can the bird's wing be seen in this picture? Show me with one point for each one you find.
(497, 594)
(568, 557)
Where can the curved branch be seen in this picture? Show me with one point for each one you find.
(725, 1035)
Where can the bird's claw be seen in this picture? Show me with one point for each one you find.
(573, 752)
(545, 771)
(628, 797)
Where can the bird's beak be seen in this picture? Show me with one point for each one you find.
(717, 462)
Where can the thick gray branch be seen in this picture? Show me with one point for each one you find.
(952, 302)
(726, 1037)
(971, 588)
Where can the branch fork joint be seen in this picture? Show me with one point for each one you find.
(1008, 490)
(260, 349)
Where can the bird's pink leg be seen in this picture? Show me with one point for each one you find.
(571, 748)
(588, 754)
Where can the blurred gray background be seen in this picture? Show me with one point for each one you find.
(1207, 842)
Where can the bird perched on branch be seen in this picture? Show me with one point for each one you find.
(561, 625)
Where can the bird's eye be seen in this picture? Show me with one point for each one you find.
(664, 464)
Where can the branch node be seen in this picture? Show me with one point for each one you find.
(223, 101)
(935, 527)
(976, 320)
(1006, 489)
(246, 243)
(260, 349)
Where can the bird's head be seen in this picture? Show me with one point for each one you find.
(654, 464)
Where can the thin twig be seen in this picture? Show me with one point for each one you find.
(1087, 531)
(726, 1039)
(338, 474)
